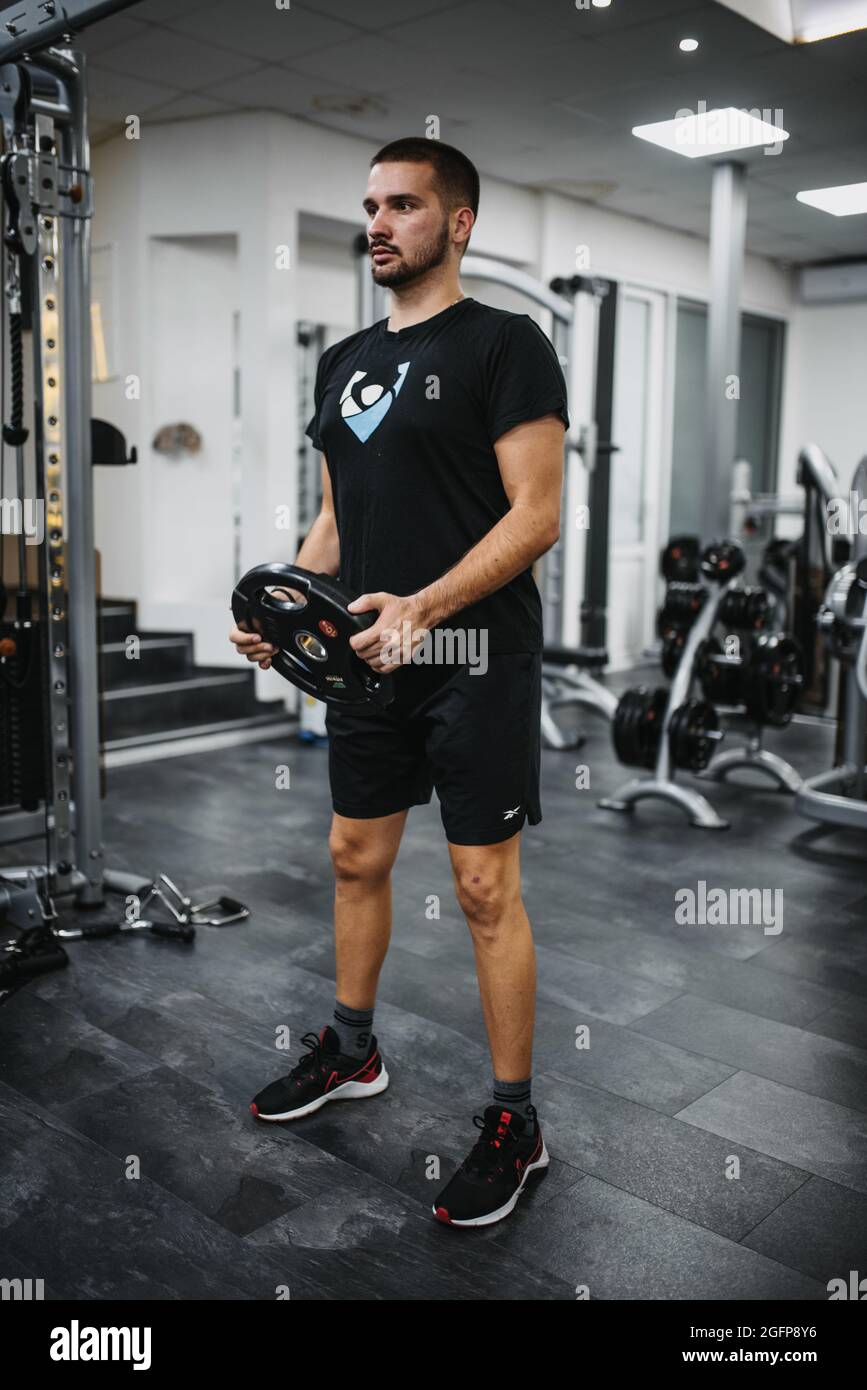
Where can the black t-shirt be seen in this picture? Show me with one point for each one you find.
(407, 421)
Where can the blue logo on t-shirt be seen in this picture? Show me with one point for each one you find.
(363, 407)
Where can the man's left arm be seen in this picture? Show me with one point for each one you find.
(530, 459)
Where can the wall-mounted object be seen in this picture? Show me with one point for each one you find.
(177, 440)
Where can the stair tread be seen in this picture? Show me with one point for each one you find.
(198, 676)
(174, 734)
(149, 639)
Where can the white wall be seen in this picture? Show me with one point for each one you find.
(194, 294)
(825, 392)
(642, 253)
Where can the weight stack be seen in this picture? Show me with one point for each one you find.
(23, 780)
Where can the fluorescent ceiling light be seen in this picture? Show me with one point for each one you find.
(803, 21)
(846, 200)
(711, 132)
(830, 30)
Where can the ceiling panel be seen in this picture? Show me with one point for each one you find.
(174, 58)
(383, 15)
(112, 96)
(623, 14)
(259, 30)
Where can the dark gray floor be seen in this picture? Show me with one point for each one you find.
(708, 1046)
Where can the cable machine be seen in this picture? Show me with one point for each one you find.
(50, 772)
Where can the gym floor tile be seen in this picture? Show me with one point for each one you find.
(816, 1135)
(69, 1214)
(793, 1056)
(642, 1069)
(621, 1247)
(660, 1159)
(821, 1230)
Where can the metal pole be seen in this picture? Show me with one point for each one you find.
(365, 286)
(727, 231)
(594, 609)
(551, 567)
(29, 27)
(74, 221)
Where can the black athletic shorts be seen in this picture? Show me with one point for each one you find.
(475, 738)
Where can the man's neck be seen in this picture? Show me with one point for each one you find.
(420, 300)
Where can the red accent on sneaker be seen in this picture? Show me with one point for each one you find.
(333, 1077)
(368, 1075)
(442, 1215)
(254, 1107)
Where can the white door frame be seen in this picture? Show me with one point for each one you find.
(656, 472)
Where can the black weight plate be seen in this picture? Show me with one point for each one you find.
(773, 678)
(683, 602)
(744, 610)
(313, 637)
(637, 725)
(679, 559)
(673, 643)
(690, 734)
(721, 677)
(723, 560)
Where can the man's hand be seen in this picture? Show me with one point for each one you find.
(395, 635)
(250, 644)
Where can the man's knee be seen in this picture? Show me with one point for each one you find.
(484, 898)
(358, 857)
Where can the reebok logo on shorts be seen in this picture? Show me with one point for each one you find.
(507, 815)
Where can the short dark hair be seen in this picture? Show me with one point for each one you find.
(456, 178)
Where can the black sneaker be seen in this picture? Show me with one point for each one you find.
(488, 1183)
(322, 1074)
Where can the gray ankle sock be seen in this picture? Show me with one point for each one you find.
(514, 1096)
(354, 1028)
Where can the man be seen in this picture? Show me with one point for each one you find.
(441, 430)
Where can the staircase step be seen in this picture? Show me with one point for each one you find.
(161, 655)
(134, 708)
(120, 752)
(116, 619)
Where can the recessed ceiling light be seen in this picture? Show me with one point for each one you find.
(601, 4)
(688, 45)
(711, 132)
(846, 200)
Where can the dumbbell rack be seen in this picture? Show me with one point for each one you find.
(662, 784)
(752, 754)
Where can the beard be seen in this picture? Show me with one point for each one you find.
(427, 257)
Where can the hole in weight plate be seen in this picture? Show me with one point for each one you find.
(310, 646)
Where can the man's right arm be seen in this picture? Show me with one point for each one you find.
(320, 552)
